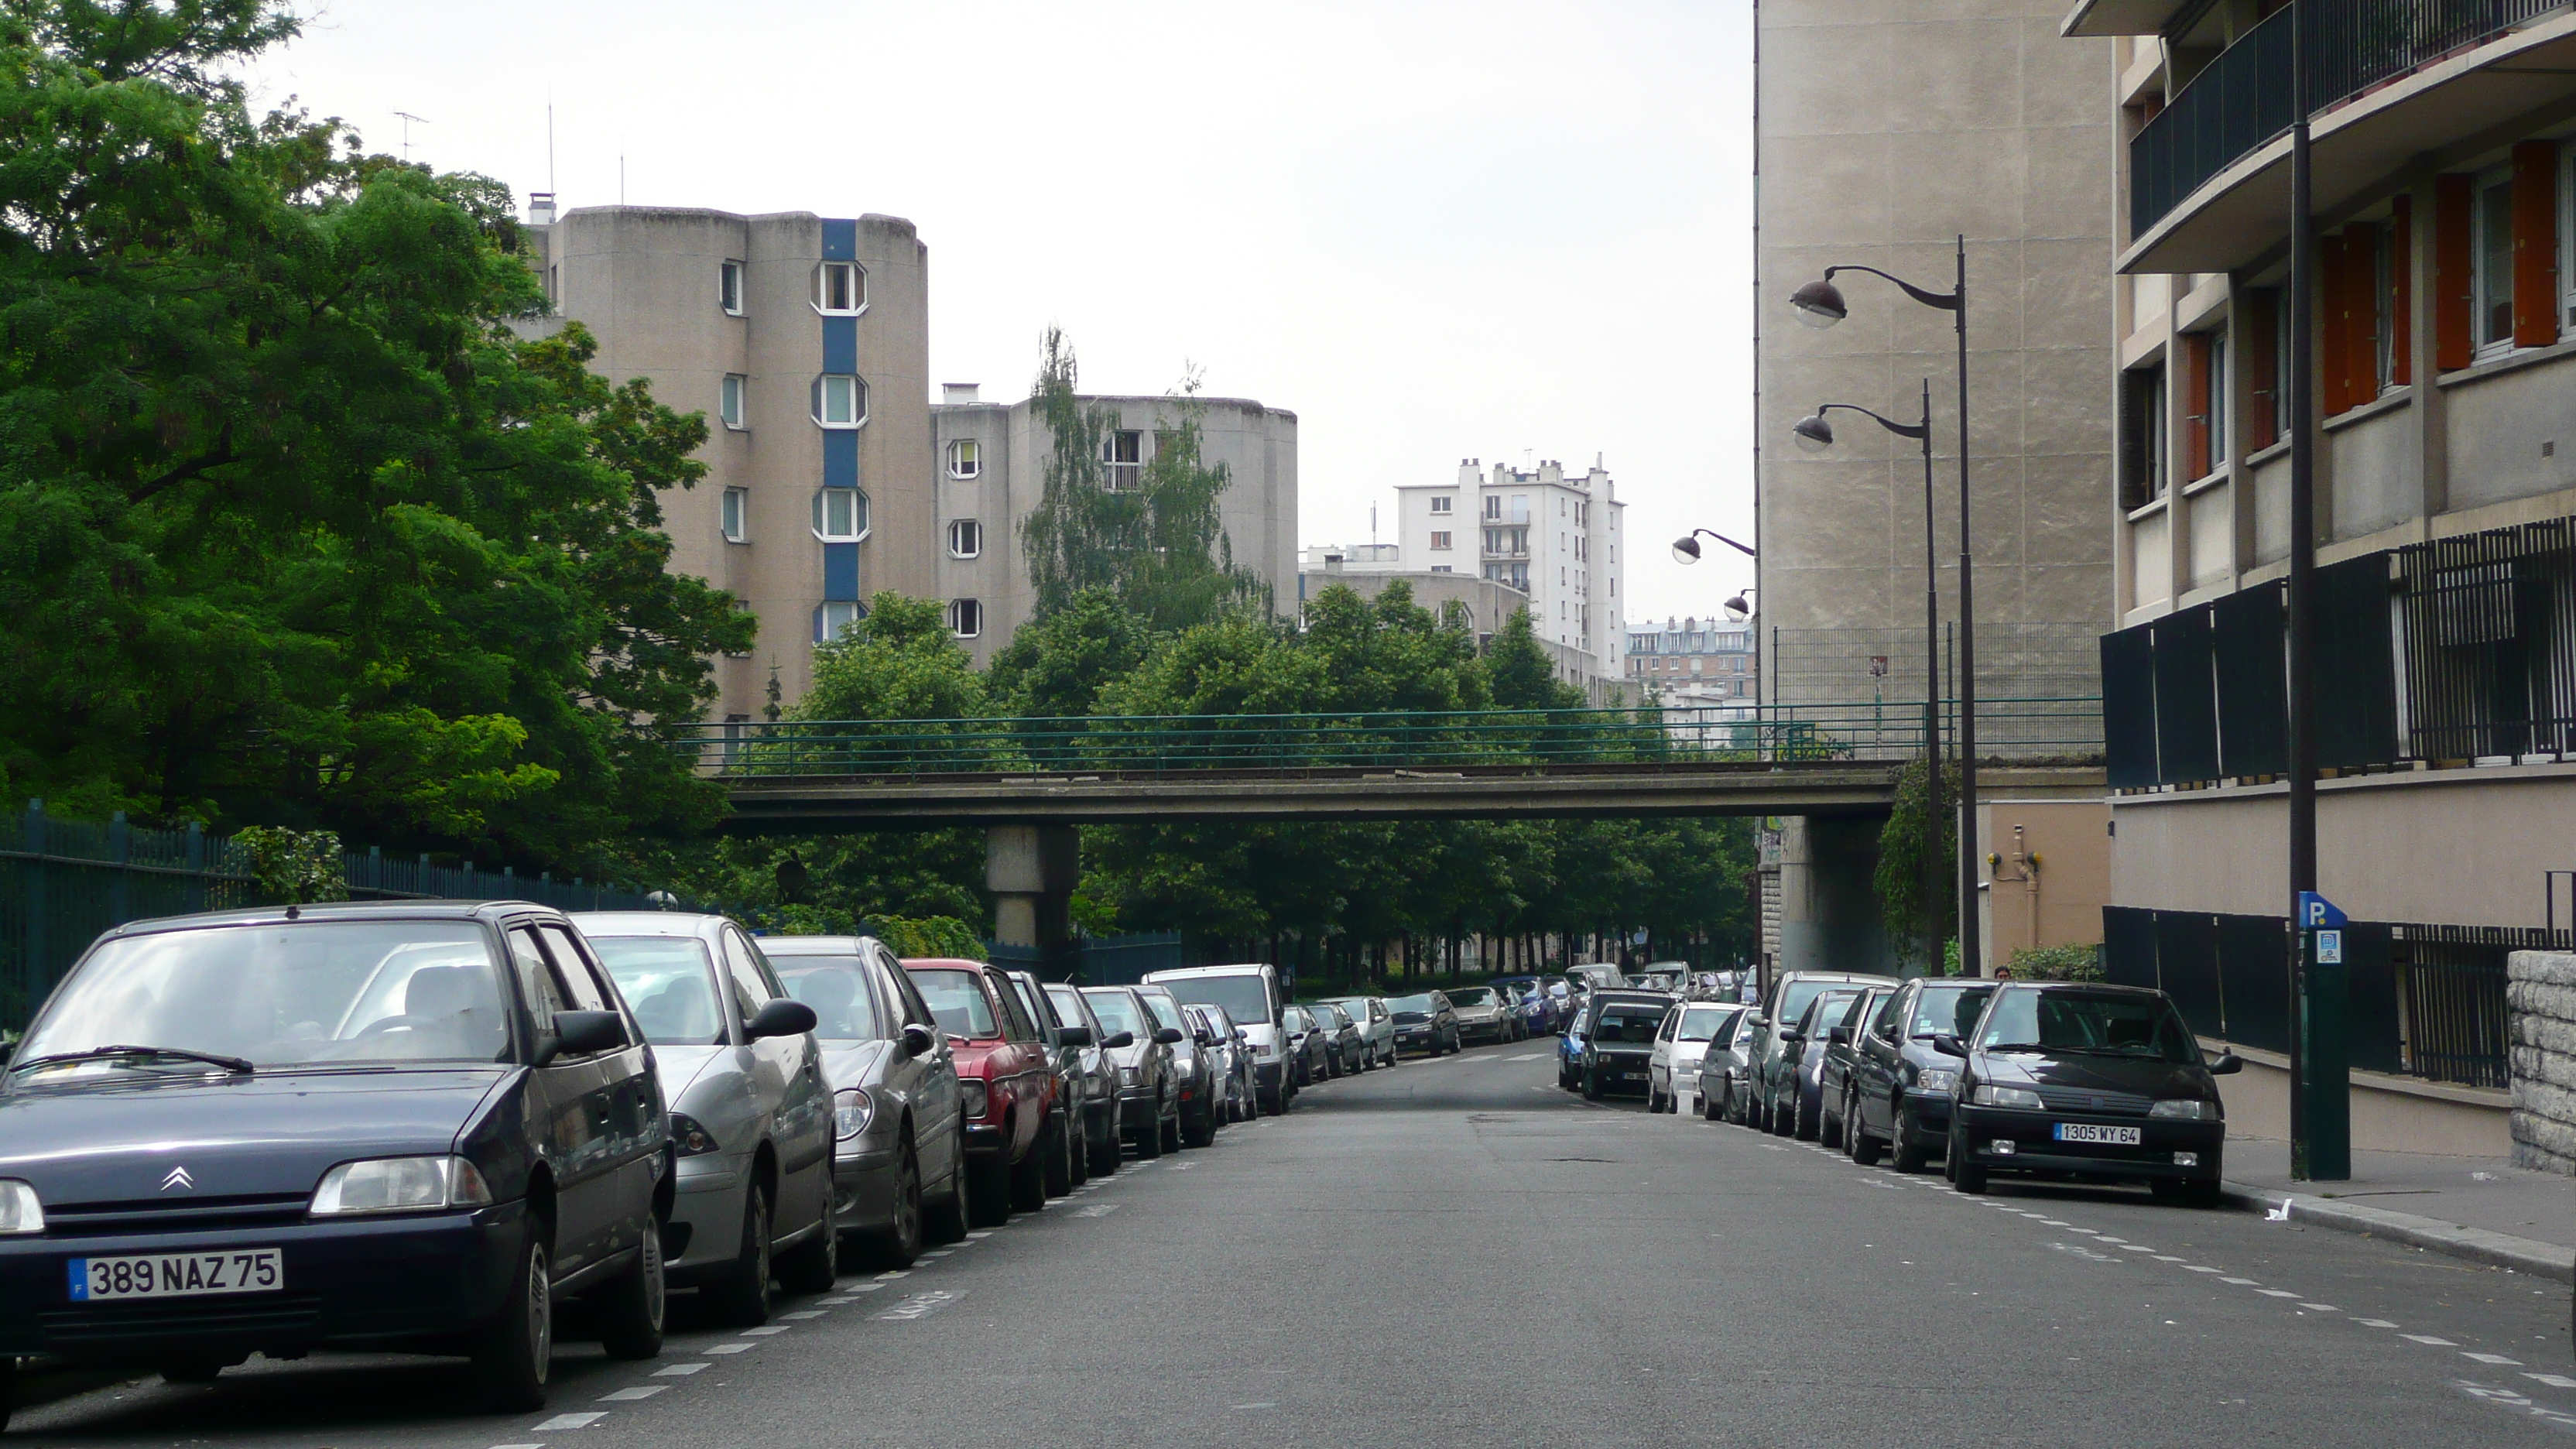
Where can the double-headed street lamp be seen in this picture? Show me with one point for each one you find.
(1686, 547)
(1820, 304)
(1814, 434)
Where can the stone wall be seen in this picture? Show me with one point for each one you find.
(2540, 1005)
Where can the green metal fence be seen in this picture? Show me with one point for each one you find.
(62, 882)
(1392, 740)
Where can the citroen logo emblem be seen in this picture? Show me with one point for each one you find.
(178, 1178)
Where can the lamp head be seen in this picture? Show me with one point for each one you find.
(1819, 304)
(1812, 434)
(1686, 549)
(1739, 608)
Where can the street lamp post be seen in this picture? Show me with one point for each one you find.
(1686, 548)
(1814, 434)
(1820, 304)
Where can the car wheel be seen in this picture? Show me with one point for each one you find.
(814, 1265)
(1059, 1157)
(631, 1312)
(1077, 1154)
(1806, 1124)
(1966, 1176)
(899, 1243)
(1591, 1085)
(993, 1190)
(1104, 1149)
(1905, 1139)
(1829, 1125)
(1029, 1175)
(1864, 1148)
(2202, 1193)
(514, 1355)
(1149, 1137)
(1169, 1130)
(1711, 1108)
(1201, 1130)
(947, 1221)
(741, 1296)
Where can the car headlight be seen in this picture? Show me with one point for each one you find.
(1131, 1076)
(20, 1212)
(852, 1111)
(1992, 1096)
(973, 1097)
(399, 1185)
(690, 1138)
(1936, 1079)
(2186, 1109)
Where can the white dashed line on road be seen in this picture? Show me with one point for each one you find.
(730, 1347)
(570, 1421)
(626, 1396)
(677, 1370)
(2426, 1338)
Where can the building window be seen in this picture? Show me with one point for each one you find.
(2204, 435)
(730, 514)
(2142, 436)
(965, 458)
(2492, 247)
(729, 287)
(1440, 541)
(840, 515)
(1122, 455)
(840, 288)
(832, 619)
(1493, 505)
(1442, 569)
(729, 400)
(966, 617)
(840, 400)
(1440, 503)
(965, 539)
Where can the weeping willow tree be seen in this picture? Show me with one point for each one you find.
(1157, 541)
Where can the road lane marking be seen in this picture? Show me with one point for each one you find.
(764, 1332)
(2428, 1339)
(2555, 1381)
(2276, 1292)
(677, 1370)
(809, 1313)
(571, 1421)
(2242, 1282)
(1096, 1210)
(920, 1305)
(2201, 1268)
(2374, 1323)
(2320, 1308)
(626, 1396)
(892, 1273)
(2494, 1358)
(729, 1348)
(866, 1287)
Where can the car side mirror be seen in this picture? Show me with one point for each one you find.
(917, 1039)
(1168, 1036)
(582, 1034)
(784, 1016)
(1207, 1038)
(1074, 1036)
(1118, 1039)
(2227, 1064)
(1792, 1038)
(1839, 1036)
(1947, 1045)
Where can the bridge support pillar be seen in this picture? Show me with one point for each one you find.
(1829, 895)
(1031, 871)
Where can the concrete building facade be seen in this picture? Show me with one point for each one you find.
(1554, 536)
(805, 341)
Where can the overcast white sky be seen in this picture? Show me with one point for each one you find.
(1497, 230)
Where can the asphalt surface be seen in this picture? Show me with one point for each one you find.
(1455, 1252)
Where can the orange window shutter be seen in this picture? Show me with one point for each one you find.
(2334, 380)
(2263, 352)
(2401, 266)
(2535, 243)
(2453, 273)
(2195, 402)
(2361, 311)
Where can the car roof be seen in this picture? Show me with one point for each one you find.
(1629, 995)
(646, 923)
(945, 963)
(1846, 978)
(321, 911)
(1183, 973)
(2105, 986)
(813, 945)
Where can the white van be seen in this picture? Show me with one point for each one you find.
(1250, 994)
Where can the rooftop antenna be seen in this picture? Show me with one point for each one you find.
(550, 145)
(1372, 525)
(407, 119)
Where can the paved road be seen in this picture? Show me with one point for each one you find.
(1457, 1253)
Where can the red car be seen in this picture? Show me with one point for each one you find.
(1006, 1080)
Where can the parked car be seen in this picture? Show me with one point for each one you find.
(1842, 1053)
(2094, 1082)
(1725, 1072)
(1349, 1049)
(1195, 1121)
(899, 1140)
(1101, 1133)
(1569, 1047)
(1222, 1040)
(1673, 1068)
(1899, 1098)
(1069, 1166)
(1595, 974)
(406, 1125)
(1484, 1014)
(1376, 1024)
(1791, 994)
(1005, 1081)
(1618, 1037)
(1148, 1101)
(1536, 1009)
(1424, 1021)
(751, 1109)
(1795, 1099)
(1309, 1048)
(1251, 996)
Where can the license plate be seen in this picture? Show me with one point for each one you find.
(176, 1275)
(2109, 1136)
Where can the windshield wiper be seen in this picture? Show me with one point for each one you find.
(212, 1059)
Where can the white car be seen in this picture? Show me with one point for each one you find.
(1376, 1024)
(1672, 1069)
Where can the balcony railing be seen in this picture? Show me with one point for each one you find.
(2241, 100)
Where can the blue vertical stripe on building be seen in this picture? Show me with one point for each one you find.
(840, 240)
(840, 344)
(840, 571)
(840, 458)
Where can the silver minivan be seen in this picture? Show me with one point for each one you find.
(751, 1111)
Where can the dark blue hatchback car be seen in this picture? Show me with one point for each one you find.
(408, 1126)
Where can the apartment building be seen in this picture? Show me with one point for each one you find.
(805, 341)
(991, 467)
(1696, 662)
(2444, 398)
(1552, 535)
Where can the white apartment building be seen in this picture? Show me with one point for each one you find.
(1553, 536)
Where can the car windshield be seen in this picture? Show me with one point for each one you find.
(2093, 1025)
(1795, 998)
(1354, 1007)
(1295, 1018)
(837, 989)
(1166, 1011)
(1702, 1023)
(284, 995)
(1951, 1009)
(670, 985)
(1418, 1005)
(1827, 1009)
(1068, 1004)
(1623, 1022)
(1245, 998)
(1470, 996)
(1117, 1013)
(958, 1003)
(1331, 1015)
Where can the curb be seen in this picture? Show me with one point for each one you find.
(2475, 1245)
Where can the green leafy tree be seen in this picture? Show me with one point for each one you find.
(294, 867)
(1523, 676)
(1056, 665)
(1901, 848)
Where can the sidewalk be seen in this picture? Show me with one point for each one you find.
(2481, 1209)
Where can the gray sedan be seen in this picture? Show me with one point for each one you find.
(1101, 1132)
(751, 1112)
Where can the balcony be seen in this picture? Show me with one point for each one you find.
(2388, 80)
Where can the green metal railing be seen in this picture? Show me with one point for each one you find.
(1436, 740)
